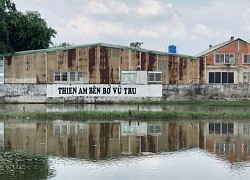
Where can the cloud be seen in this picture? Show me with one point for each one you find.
(152, 8)
(148, 33)
(201, 29)
(246, 13)
(106, 7)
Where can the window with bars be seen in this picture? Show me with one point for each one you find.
(246, 58)
(72, 76)
(154, 77)
(226, 58)
(128, 77)
(221, 77)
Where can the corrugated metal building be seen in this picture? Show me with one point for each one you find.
(100, 64)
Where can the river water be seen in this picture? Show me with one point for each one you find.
(56, 149)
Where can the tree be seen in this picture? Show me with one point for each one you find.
(22, 31)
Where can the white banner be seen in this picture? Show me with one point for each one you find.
(104, 90)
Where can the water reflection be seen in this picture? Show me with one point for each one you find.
(107, 140)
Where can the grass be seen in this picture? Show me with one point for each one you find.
(163, 115)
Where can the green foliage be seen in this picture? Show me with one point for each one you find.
(19, 31)
(19, 165)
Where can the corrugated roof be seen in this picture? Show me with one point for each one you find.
(215, 47)
(98, 44)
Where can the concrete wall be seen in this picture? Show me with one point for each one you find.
(37, 93)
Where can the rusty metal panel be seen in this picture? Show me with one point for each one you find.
(72, 62)
(83, 63)
(94, 73)
(124, 62)
(201, 70)
(192, 72)
(40, 68)
(173, 70)
(135, 61)
(19, 68)
(163, 66)
(152, 62)
(144, 61)
(29, 71)
(104, 65)
(51, 66)
(62, 60)
(114, 76)
(182, 71)
(8, 69)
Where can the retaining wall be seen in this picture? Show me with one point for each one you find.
(37, 93)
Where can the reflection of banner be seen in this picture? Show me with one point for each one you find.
(108, 90)
(1, 135)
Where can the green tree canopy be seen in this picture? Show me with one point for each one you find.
(19, 31)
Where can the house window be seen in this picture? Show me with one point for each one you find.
(72, 76)
(221, 128)
(224, 58)
(154, 77)
(64, 76)
(57, 76)
(246, 58)
(128, 77)
(221, 77)
(246, 77)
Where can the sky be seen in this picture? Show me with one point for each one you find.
(190, 25)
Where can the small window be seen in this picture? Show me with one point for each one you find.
(79, 76)
(154, 77)
(72, 76)
(224, 58)
(64, 76)
(246, 58)
(128, 77)
(57, 76)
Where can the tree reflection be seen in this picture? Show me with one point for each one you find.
(19, 165)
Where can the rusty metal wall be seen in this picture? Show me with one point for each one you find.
(104, 65)
(83, 63)
(51, 66)
(114, 77)
(124, 62)
(40, 68)
(163, 67)
(94, 73)
(101, 65)
(8, 69)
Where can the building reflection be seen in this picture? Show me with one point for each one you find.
(104, 140)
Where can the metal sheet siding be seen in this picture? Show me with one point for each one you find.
(163, 66)
(173, 69)
(83, 63)
(135, 61)
(104, 65)
(143, 61)
(40, 68)
(115, 67)
(51, 66)
(62, 60)
(202, 70)
(19, 68)
(29, 71)
(72, 62)
(94, 73)
(8, 69)
(152, 63)
(182, 71)
(124, 62)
